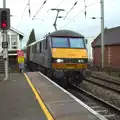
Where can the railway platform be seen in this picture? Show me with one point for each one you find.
(61, 104)
(33, 96)
(17, 101)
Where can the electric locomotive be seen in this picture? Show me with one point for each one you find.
(61, 55)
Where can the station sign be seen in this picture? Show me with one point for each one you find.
(4, 45)
(20, 55)
(21, 59)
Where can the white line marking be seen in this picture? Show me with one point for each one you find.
(76, 99)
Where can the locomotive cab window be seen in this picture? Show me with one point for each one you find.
(60, 42)
(76, 42)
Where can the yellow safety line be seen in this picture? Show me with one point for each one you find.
(41, 103)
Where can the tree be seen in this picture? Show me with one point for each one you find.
(31, 37)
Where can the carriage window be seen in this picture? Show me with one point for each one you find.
(40, 48)
(60, 42)
(46, 44)
(77, 43)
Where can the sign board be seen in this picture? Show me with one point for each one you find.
(20, 53)
(4, 45)
(21, 59)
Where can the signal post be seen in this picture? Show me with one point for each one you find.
(4, 26)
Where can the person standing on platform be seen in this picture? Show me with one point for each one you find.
(20, 58)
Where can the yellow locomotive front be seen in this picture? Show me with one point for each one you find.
(69, 58)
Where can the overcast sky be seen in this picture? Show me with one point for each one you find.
(43, 22)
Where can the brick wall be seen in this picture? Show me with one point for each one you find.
(112, 56)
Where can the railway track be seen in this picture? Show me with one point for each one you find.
(105, 83)
(116, 82)
(104, 108)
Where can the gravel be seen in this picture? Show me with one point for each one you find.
(105, 83)
(111, 97)
(106, 76)
(92, 103)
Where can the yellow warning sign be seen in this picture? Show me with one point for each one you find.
(21, 59)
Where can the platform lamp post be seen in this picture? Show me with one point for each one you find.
(102, 32)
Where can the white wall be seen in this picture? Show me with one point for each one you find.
(89, 48)
(10, 32)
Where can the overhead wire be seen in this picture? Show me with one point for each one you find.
(85, 12)
(23, 13)
(78, 14)
(55, 7)
(28, 4)
(85, 8)
(60, 3)
(79, 11)
(39, 9)
(71, 9)
(65, 10)
(29, 11)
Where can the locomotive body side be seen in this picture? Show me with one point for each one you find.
(40, 55)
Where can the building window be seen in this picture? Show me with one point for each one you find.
(14, 42)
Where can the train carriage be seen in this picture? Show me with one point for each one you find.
(61, 55)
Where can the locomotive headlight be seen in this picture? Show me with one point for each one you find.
(59, 60)
(80, 61)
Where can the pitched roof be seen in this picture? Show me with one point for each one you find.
(16, 31)
(111, 37)
(20, 33)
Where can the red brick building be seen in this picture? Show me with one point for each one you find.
(111, 49)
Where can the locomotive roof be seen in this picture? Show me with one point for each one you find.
(67, 33)
(60, 33)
